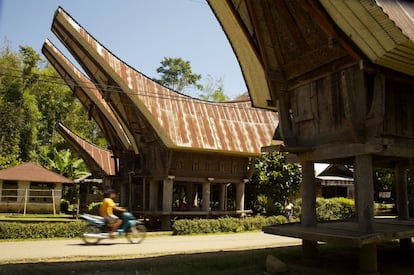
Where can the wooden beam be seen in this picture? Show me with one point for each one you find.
(339, 151)
(364, 205)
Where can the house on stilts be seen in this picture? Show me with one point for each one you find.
(341, 76)
(173, 155)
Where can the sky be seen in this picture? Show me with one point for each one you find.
(139, 32)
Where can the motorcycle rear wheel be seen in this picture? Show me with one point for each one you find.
(93, 230)
(136, 234)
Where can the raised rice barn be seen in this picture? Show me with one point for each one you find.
(340, 74)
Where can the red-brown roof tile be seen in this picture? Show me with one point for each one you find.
(31, 172)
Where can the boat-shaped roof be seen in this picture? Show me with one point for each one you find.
(151, 111)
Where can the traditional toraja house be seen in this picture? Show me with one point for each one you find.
(340, 74)
(186, 154)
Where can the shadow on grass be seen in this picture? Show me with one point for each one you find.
(336, 260)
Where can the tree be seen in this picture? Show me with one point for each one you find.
(33, 98)
(177, 75)
(68, 165)
(213, 90)
(273, 182)
(29, 103)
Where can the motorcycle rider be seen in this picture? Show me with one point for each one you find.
(106, 211)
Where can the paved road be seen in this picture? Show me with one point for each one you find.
(66, 250)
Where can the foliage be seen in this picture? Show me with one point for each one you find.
(329, 209)
(64, 206)
(272, 184)
(213, 90)
(33, 99)
(224, 224)
(93, 208)
(383, 181)
(40, 230)
(8, 161)
(177, 75)
(66, 164)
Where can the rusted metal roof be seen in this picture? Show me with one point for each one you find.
(98, 159)
(181, 122)
(91, 99)
(31, 172)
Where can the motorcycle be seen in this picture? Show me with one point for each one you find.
(97, 229)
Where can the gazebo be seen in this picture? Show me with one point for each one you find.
(174, 155)
(340, 75)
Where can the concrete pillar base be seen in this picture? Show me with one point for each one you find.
(368, 263)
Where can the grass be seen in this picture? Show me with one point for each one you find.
(19, 217)
(338, 260)
(238, 262)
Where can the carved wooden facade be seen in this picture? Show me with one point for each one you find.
(340, 74)
(167, 147)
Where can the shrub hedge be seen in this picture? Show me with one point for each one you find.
(225, 224)
(326, 210)
(40, 230)
(329, 209)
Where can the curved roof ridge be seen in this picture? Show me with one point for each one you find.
(97, 157)
(90, 97)
(180, 121)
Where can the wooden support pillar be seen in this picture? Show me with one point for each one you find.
(309, 248)
(167, 201)
(222, 196)
(411, 176)
(205, 204)
(167, 194)
(364, 204)
(240, 188)
(190, 194)
(308, 195)
(402, 199)
(402, 192)
(364, 193)
(153, 202)
(153, 195)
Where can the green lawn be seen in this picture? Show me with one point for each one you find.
(35, 217)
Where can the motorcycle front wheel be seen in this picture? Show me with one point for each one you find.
(91, 234)
(136, 234)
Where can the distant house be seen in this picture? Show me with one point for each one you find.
(337, 180)
(29, 188)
